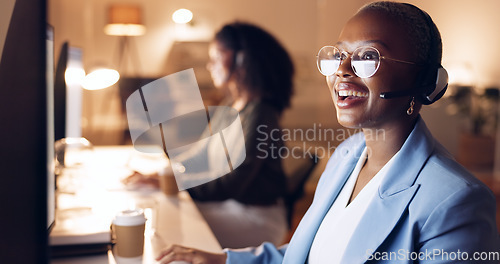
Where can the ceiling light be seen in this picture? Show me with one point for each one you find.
(182, 16)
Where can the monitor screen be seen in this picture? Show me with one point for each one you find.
(60, 93)
(68, 92)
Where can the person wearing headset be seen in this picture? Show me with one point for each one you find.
(391, 193)
(245, 207)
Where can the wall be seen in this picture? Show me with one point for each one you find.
(81, 23)
(468, 29)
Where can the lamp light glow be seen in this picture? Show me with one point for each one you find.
(124, 30)
(124, 20)
(182, 16)
(74, 75)
(100, 78)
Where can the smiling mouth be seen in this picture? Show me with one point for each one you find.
(349, 94)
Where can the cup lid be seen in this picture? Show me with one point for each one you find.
(130, 218)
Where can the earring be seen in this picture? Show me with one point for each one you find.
(410, 110)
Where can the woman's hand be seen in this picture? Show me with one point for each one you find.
(190, 255)
(137, 178)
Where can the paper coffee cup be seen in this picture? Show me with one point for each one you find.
(168, 185)
(128, 233)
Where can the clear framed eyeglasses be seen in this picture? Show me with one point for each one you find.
(365, 61)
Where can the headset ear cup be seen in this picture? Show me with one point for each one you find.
(440, 87)
(239, 59)
(442, 79)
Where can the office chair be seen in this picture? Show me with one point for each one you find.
(298, 168)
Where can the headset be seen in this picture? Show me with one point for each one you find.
(238, 55)
(434, 80)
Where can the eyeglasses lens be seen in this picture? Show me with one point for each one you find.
(364, 61)
(328, 60)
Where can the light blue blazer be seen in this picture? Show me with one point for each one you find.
(429, 210)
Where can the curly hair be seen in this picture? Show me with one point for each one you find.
(423, 33)
(261, 64)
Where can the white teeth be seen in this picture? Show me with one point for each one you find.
(352, 93)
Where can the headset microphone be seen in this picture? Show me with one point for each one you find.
(434, 90)
(390, 95)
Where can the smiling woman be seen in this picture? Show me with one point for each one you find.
(400, 195)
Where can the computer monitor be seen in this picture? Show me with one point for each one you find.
(60, 93)
(24, 134)
(68, 92)
(51, 198)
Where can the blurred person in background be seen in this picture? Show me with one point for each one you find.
(245, 207)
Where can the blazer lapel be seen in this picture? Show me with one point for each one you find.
(326, 193)
(379, 220)
(395, 193)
